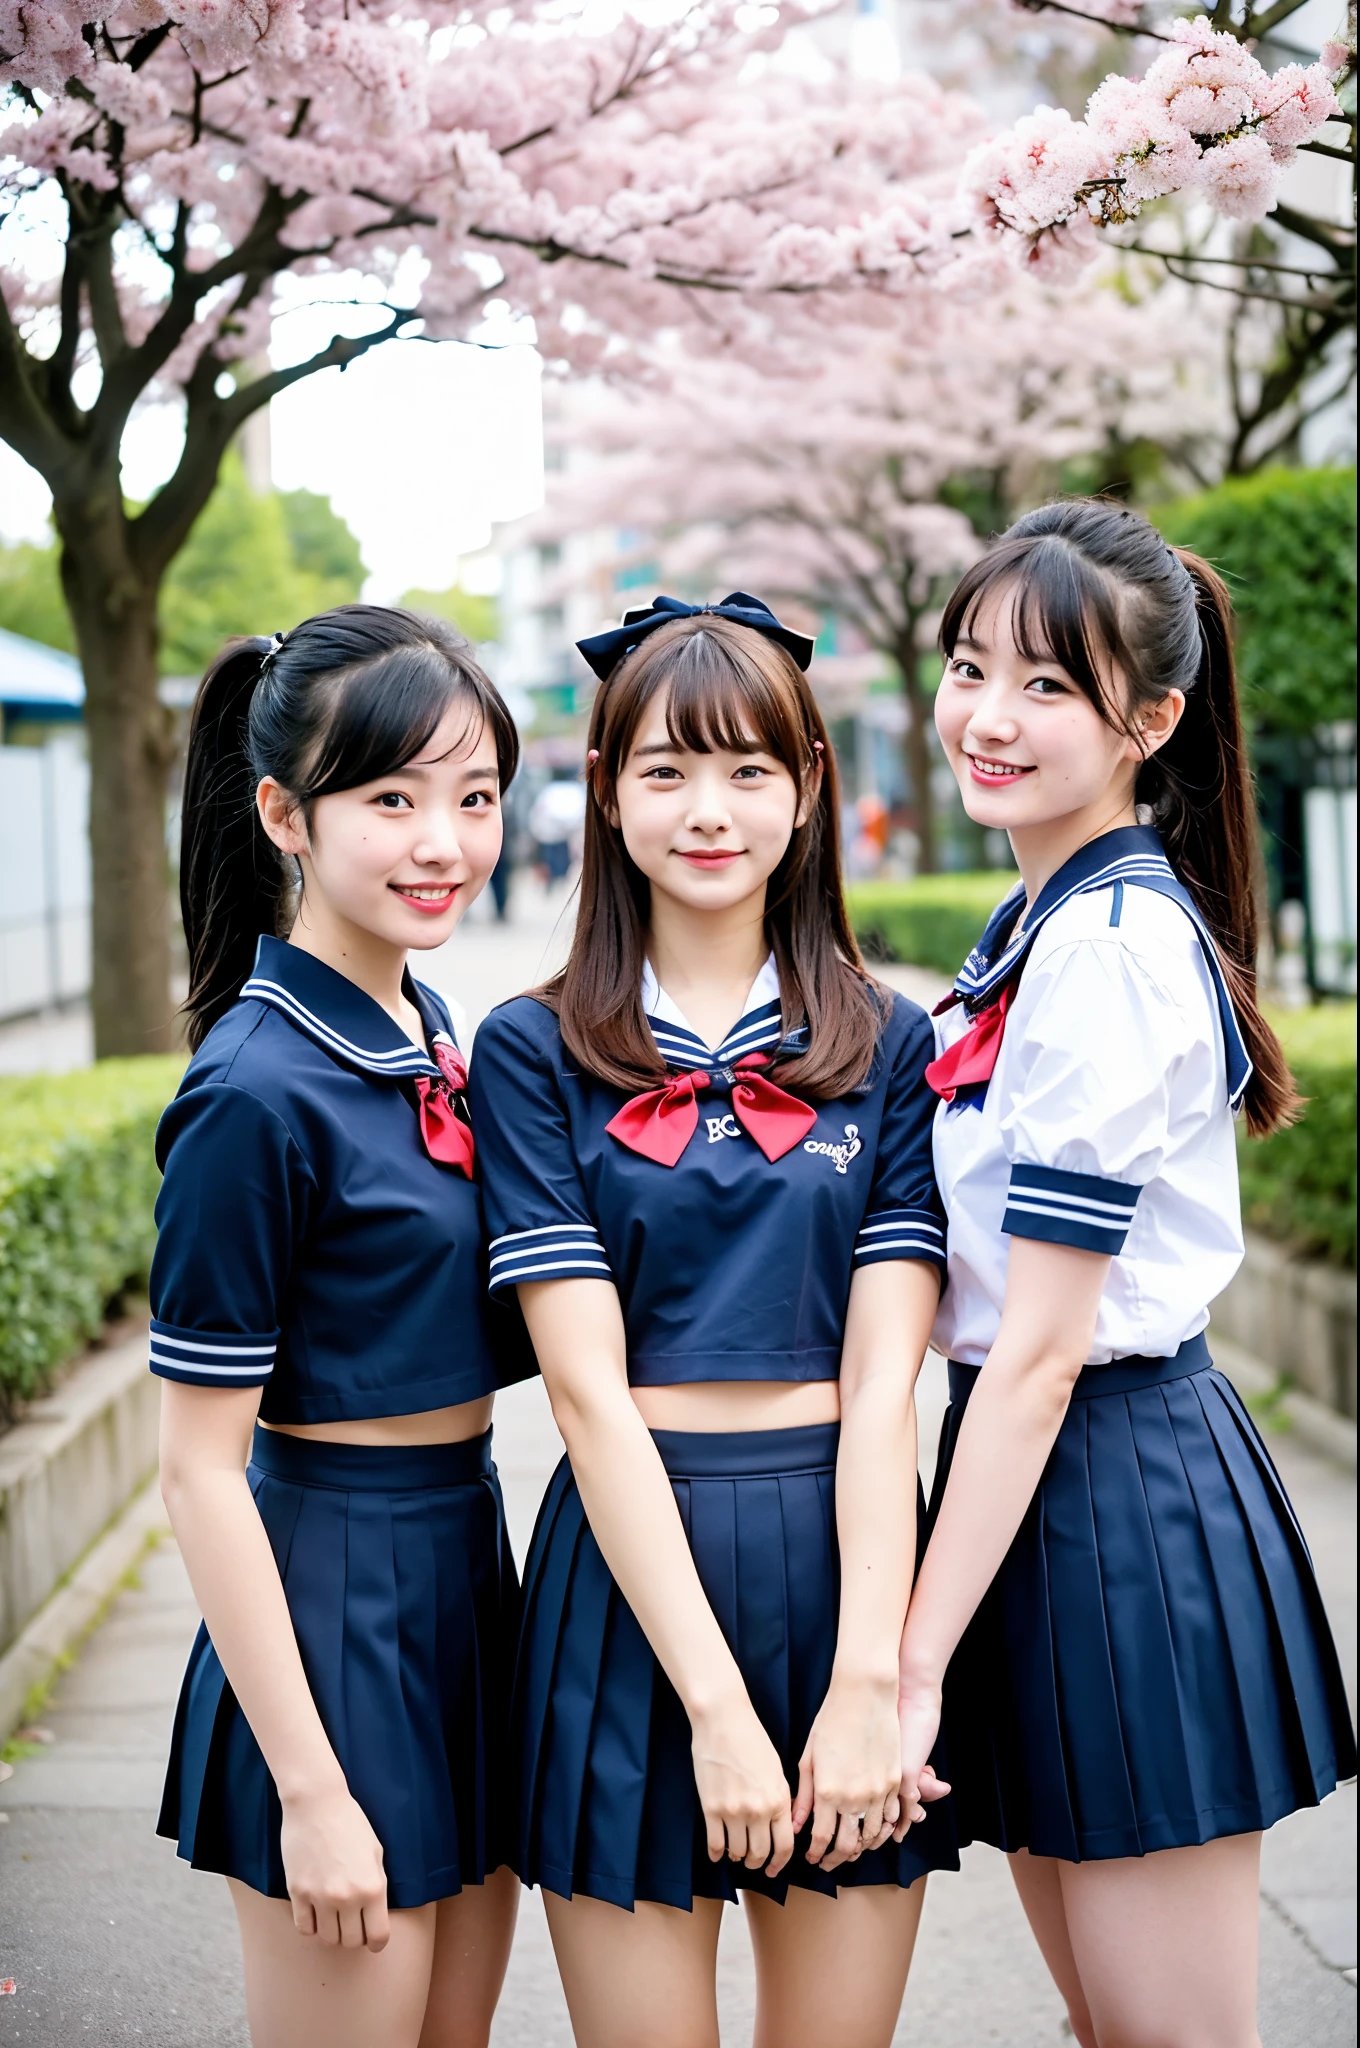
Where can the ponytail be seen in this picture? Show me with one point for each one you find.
(341, 700)
(230, 876)
(1097, 588)
(1199, 787)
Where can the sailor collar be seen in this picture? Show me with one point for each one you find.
(1131, 856)
(337, 1016)
(758, 1029)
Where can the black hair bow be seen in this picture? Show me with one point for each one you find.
(604, 651)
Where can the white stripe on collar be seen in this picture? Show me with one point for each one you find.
(660, 1009)
(400, 1061)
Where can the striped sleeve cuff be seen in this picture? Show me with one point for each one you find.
(556, 1251)
(210, 1358)
(900, 1234)
(1070, 1208)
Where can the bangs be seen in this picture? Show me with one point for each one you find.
(725, 693)
(1063, 609)
(386, 713)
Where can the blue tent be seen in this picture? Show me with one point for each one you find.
(38, 683)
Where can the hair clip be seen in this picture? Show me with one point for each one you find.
(592, 757)
(817, 747)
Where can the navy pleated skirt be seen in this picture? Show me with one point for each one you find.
(1151, 1666)
(607, 1804)
(401, 1587)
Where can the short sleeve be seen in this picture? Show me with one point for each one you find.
(905, 1217)
(230, 1204)
(1092, 1045)
(538, 1218)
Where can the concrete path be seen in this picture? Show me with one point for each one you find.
(111, 1940)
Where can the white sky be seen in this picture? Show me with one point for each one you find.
(420, 447)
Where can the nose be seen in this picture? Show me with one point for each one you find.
(440, 843)
(708, 809)
(992, 715)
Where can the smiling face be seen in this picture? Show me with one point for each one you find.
(706, 829)
(399, 859)
(1028, 746)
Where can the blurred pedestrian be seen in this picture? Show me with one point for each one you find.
(555, 825)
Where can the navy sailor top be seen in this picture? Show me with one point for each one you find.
(308, 1243)
(729, 1266)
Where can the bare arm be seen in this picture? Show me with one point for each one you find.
(332, 1858)
(577, 1331)
(852, 1763)
(1012, 1421)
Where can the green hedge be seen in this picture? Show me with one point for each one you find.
(78, 1183)
(1299, 1186)
(933, 921)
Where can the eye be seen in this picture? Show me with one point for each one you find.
(662, 774)
(393, 800)
(751, 772)
(964, 671)
(479, 799)
(1047, 686)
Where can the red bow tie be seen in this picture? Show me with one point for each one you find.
(660, 1123)
(970, 1059)
(447, 1138)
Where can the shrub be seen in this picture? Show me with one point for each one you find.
(78, 1184)
(1299, 1186)
(1285, 540)
(933, 921)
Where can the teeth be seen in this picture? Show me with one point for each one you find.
(427, 895)
(997, 768)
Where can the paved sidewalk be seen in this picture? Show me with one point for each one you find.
(112, 1941)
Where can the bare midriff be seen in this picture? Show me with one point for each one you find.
(436, 1426)
(713, 1405)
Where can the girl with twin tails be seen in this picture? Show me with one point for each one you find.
(317, 1299)
(706, 1158)
(1116, 1617)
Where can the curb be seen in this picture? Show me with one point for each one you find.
(1303, 1417)
(46, 1642)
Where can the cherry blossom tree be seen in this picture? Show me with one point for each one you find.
(169, 166)
(841, 488)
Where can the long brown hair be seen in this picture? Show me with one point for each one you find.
(1097, 587)
(726, 688)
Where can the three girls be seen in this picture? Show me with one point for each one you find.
(1117, 1607)
(318, 1319)
(706, 1155)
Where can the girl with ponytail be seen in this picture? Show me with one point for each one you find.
(1116, 1615)
(317, 1319)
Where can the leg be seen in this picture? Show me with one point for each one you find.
(297, 1989)
(832, 1969)
(1165, 1945)
(1040, 1888)
(472, 1938)
(645, 1979)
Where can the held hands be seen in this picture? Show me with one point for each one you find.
(741, 1787)
(333, 1862)
(918, 1714)
(850, 1773)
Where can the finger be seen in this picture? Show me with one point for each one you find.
(736, 1841)
(328, 1926)
(717, 1840)
(805, 1798)
(932, 1787)
(848, 1840)
(352, 1925)
(823, 1830)
(892, 1811)
(872, 1824)
(377, 1926)
(781, 1837)
(757, 1845)
(304, 1916)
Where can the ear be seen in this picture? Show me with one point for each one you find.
(281, 818)
(1153, 724)
(807, 802)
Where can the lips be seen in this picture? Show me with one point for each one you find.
(996, 774)
(429, 898)
(722, 859)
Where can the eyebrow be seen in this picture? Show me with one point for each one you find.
(475, 772)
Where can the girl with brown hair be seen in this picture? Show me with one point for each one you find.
(705, 1150)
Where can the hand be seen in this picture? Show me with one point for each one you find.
(742, 1788)
(333, 1863)
(850, 1772)
(918, 1714)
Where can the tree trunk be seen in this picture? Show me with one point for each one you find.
(113, 609)
(916, 745)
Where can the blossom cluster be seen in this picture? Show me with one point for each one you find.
(1205, 115)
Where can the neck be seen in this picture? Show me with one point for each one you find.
(713, 953)
(1040, 850)
(375, 965)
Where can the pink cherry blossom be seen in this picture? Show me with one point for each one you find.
(1242, 177)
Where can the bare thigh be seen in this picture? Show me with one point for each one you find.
(1040, 1887)
(1165, 1945)
(299, 1991)
(645, 1979)
(832, 1969)
(472, 1937)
